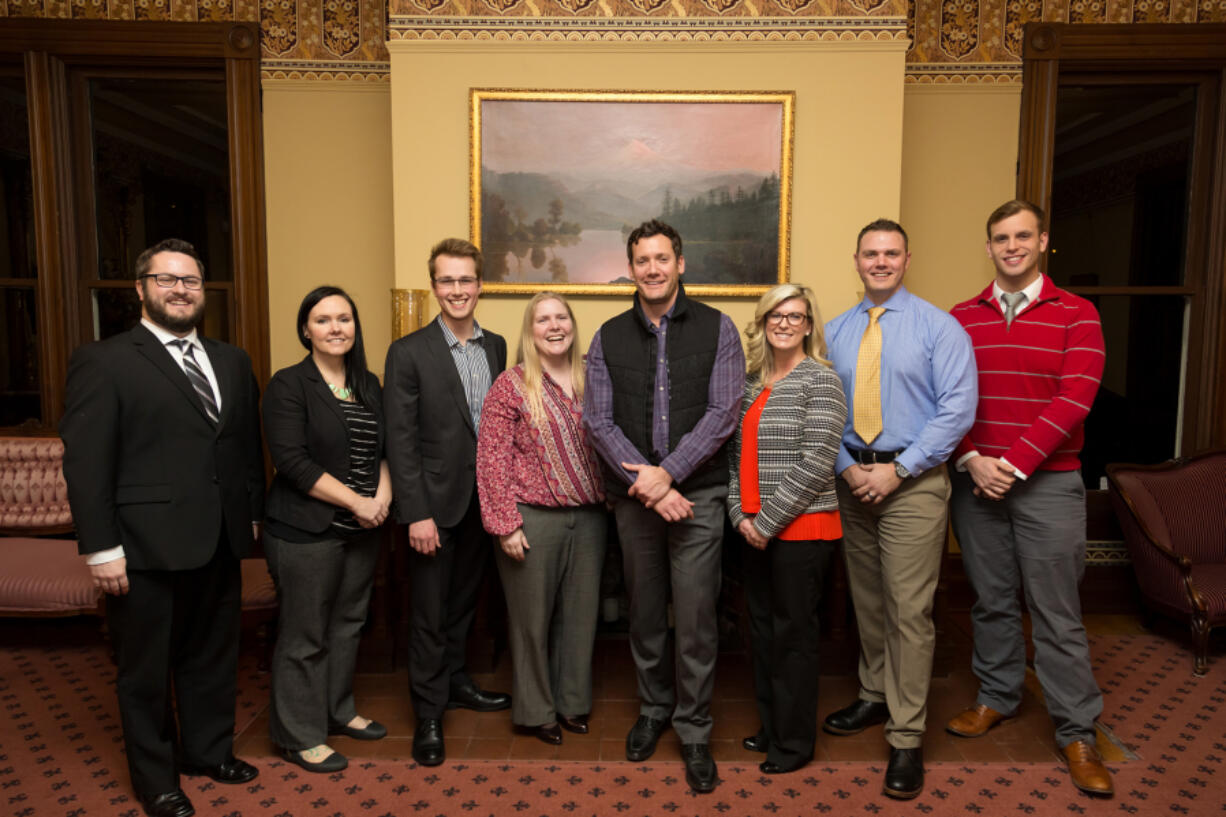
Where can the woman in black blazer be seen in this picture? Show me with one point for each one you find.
(323, 420)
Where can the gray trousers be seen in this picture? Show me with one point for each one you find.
(1035, 539)
(553, 599)
(324, 591)
(685, 556)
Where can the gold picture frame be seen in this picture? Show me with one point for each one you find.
(558, 178)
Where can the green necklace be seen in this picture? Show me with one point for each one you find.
(341, 392)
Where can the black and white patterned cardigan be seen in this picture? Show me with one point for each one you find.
(799, 435)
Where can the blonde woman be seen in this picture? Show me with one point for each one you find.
(543, 497)
(782, 500)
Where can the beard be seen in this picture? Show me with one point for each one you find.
(174, 322)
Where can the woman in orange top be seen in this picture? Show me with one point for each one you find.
(781, 499)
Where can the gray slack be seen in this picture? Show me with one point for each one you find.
(324, 591)
(685, 556)
(553, 597)
(1033, 539)
(893, 553)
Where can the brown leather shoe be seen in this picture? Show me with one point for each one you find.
(975, 722)
(1087, 769)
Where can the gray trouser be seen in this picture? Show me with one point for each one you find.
(324, 591)
(686, 556)
(553, 598)
(1035, 539)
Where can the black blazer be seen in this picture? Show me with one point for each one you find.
(431, 442)
(145, 467)
(307, 436)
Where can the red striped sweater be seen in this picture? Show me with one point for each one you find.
(1037, 378)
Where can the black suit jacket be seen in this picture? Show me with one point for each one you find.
(431, 442)
(307, 437)
(145, 467)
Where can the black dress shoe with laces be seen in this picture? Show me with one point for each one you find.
(699, 767)
(231, 771)
(756, 743)
(904, 777)
(371, 731)
(643, 737)
(851, 720)
(428, 748)
(470, 697)
(167, 804)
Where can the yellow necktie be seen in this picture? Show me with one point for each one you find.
(867, 420)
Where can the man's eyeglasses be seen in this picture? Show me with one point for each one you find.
(793, 318)
(447, 283)
(166, 281)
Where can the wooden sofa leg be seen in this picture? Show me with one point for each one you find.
(1200, 634)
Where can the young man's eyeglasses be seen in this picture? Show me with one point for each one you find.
(793, 318)
(166, 281)
(465, 282)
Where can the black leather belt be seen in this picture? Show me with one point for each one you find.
(866, 457)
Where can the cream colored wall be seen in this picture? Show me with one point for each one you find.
(959, 162)
(848, 142)
(328, 187)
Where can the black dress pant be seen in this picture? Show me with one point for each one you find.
(784, 586)
(445, 587)
(176, 643)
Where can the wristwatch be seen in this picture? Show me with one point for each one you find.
(900, 470)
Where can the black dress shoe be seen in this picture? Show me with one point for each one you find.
(332, 763)
(470, 697)
(577, 724)
(771, 767)
(643, 737)
(168, 804)
(904, 777)
(699, 767)
(853, 719)
(549, 733)
(229, 771)
(428, 749)
(372, 731)
(756, 743)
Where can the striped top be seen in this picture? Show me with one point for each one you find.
(1037, 378)
(363, 476)
(517, 462)
(471, 364)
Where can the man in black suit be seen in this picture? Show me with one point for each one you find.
(165, 477)
(434, 383)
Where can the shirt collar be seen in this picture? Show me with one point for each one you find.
(166, 338)
(1031, 291)
(896, 301)
(450, 337)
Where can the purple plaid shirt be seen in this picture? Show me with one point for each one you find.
(704, 439)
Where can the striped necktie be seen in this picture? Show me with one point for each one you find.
(204, 389)
(866, 418)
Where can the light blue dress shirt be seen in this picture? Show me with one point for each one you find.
(929, 385)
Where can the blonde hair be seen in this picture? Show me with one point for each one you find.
(760, 362)
(534, 378)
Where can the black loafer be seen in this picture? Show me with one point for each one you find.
(428, 747)
(470, 697)
(229, 771)
(904, 777)
(643, 737)
(167, 804)
(549, 733)
(577, 724)
(332, 763)
(699, 767)
(372, 731)
(756, 743)
(851, 720)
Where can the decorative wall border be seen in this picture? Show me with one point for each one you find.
(325, 70)
(632, 29)
(972, 73)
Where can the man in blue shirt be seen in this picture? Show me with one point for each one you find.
(908, 371)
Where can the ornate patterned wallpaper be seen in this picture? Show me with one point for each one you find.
(952, 40)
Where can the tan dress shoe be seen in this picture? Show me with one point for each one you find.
(975, 722)
(1087, 769)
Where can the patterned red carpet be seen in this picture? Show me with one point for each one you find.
(61, 755)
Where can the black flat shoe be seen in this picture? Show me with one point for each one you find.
(851, 720)
(578, 724)
(428, 747)
(549, 733)
(643, 737)
(756, 743)
(167, 804)
(231, 771)
(332, 763)
(904, 777)
(699, 767)
(372, 731)
(470, 697)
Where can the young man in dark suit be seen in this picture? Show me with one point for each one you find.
(165, 478)
(435, 380)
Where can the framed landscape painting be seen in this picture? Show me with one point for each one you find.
(560, 178)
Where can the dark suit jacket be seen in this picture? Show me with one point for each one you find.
(145, 467)
(431, 442)
(307, 436)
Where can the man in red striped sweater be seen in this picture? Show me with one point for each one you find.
(1018, 500)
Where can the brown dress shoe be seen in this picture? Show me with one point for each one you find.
(975, 722)
(1087, 769)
